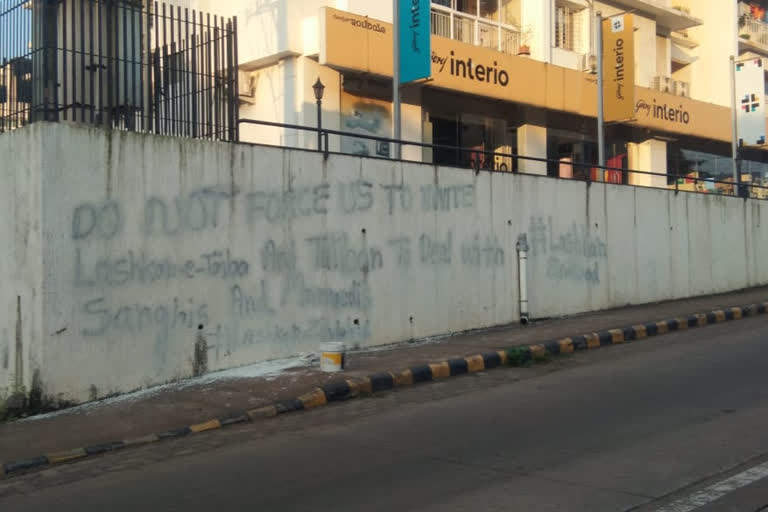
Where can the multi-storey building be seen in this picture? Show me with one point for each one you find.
(541, 101)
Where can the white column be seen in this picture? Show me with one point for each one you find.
(649, 156)
(532, 141)
(539, 17)
(412, 127)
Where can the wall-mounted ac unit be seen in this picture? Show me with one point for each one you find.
(247, 84)
(588, 63)
(682, 88)
(663, 84)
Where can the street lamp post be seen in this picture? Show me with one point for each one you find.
(319, 89)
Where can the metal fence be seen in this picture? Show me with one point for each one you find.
(125, 64)
(478, 160)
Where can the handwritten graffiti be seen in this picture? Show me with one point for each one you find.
(101, 316)
(316, 330)
(197, 211)
(139, 267)
(436, 251)
(447, 198)
(336, 252)
(482, 252)
(573, 254)
(287, 260)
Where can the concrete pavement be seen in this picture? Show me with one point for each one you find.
(193, 403)
(636, 427)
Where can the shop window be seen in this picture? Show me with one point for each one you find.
(472, 141)
(699, 169)
(570, 155)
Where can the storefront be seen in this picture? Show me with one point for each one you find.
(488, 102)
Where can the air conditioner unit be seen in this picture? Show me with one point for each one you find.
(247, 83)
(682, 88)
(588, 63)
(662, 83)
(247, 86)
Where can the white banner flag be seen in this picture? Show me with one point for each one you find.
(750, 102)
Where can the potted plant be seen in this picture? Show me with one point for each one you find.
(525, 39)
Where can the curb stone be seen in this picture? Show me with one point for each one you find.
(346, 389)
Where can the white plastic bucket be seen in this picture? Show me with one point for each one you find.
(332, 356)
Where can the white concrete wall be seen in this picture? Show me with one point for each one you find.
(21, 271)
(152, 245)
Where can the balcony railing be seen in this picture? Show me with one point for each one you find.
(754, 31)
(471, 30)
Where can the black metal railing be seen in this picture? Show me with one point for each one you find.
(494, 161)
(134, 65)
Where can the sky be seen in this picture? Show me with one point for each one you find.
(15, 28)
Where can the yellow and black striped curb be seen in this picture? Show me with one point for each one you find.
(350, 388)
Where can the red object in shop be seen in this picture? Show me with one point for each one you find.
(610, 175)
(757, 12)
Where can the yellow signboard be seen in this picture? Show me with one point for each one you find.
(618, 67)
(364, 45)
(667, 112)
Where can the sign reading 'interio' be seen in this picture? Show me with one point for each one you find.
(618, 68)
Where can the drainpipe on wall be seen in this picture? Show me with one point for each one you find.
(522, 278)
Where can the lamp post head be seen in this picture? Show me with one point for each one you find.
(319, 89)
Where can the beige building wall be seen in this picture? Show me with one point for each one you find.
(717, 39)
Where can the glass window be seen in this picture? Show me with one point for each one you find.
(486, 142)
(444, 3)
(467, 6)
(489, 9)
(510, 12)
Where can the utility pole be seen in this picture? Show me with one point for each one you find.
(734, 129)
(396, 78)
(600, 106)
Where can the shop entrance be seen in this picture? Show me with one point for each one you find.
(484, 140)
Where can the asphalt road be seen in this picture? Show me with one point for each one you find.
(674, 423)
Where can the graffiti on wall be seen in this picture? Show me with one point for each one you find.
(368, 117)
(570, 253)
(135, 276)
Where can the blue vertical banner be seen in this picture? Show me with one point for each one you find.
(415, 34)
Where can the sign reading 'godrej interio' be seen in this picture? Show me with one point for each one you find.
(618, 68)
(415, 36)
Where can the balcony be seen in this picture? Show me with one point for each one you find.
(753, 34)
(475, 31)
(672, 14)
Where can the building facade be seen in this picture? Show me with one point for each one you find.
(537, 95)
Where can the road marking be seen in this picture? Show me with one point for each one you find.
(716, 491)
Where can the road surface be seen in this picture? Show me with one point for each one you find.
(674, 423)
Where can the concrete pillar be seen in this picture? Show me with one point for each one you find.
(532, 141)
(412, 131)
(538, 17)
(650, 156)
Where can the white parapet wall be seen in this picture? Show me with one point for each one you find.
(138, 260)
